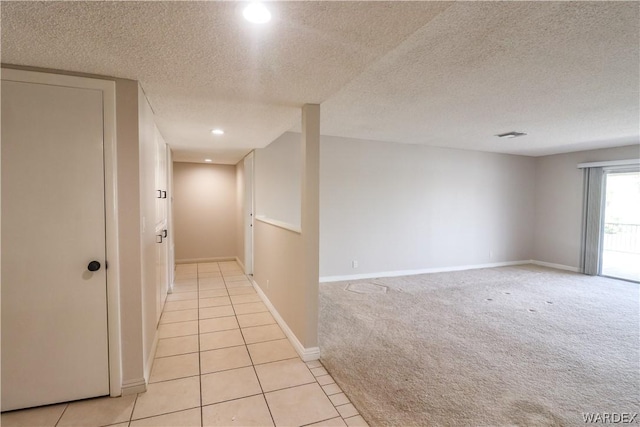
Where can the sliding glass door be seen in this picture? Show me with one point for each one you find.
(620, 238)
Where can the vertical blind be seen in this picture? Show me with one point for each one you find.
(592, 220)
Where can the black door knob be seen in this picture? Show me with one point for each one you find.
(93, 266)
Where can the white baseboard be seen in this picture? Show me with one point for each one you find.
(306, 354)
(197, 260)
(134, 387)
(327, 279)
(241, 264)
(556, 266)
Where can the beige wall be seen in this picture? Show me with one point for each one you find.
(279, 272)
(286, 260)
(397, 208)
(205, 211)
(278, 190)
(559, 199)
(310, 219)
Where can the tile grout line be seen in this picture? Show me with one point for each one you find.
(199, 334)
(260, 342)
(290, 387)
(173, 379)
(321, 421)
(329, 396)
(202, 405)
(341, 391)
(233, 369)
(173, 323)
(157, 415)
(280, 360)
(199, 353)
(133, 409)
(60, 417)
(250, 302)
(177, 336)
(253, 366)
(232, 399)
(174, 311)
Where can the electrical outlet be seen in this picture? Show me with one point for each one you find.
(354, 264)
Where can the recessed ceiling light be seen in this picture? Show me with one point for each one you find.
(208, 160)
(257, 13)
(513, 134)
(217, 132)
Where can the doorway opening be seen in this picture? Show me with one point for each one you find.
(620, 256)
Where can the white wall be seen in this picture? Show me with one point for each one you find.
(204, 211)
(397, 207)
(559, 203)
(278, 180)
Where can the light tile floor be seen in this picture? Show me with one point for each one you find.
(222, 360)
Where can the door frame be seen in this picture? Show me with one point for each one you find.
(172, 249)
(593, 210)
(108, 89)
(248, 211)
(606, 171)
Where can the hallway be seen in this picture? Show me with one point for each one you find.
(221, 360)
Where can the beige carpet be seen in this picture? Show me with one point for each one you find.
(518, 345)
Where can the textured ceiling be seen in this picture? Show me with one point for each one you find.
(446, 74)
(566, 73)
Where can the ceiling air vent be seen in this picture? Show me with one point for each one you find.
(513, 134)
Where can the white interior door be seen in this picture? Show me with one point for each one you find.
(162, 225)
(162, 247)
(170, 242)
(248, 213)
(54, 310)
